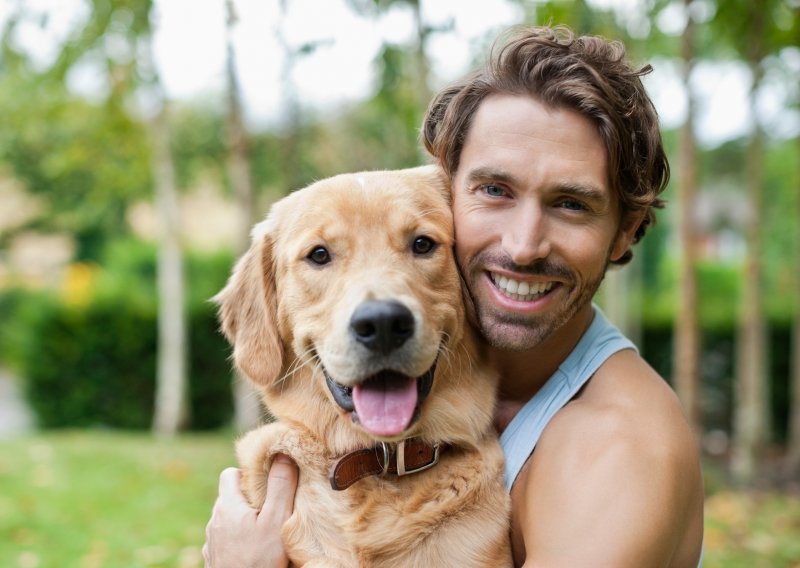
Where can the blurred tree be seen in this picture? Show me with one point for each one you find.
(583, 17)
(754, 30)
(420, 74)
(295, 130)
(171, 409)
(73, 152)
(793, 450)
(792, 465)
(382, 131)
(686, 351)
(87, 160)
(247, 409)
(752, 414)
(91, 160)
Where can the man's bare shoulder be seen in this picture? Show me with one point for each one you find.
(625, 406)
(621, 469)
(626, 419)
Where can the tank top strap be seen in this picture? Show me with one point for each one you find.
(600, 341)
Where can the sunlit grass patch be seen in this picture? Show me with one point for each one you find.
(89, 499)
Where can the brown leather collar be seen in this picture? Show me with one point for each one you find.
(407, 456)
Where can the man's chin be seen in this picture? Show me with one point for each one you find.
(513, 336)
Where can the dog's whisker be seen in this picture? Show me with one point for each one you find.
(296, 366)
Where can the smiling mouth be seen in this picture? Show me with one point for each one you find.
(519, 290)
(386, 403)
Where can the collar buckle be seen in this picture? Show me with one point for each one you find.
(401, 460)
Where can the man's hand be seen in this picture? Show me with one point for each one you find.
(238, 536)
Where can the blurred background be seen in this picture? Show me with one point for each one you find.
(141, 139)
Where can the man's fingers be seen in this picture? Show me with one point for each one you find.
(229, 483)
(281, 487)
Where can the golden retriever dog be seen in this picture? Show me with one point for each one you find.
(348, 313)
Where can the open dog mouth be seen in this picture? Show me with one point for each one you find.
(386, 403)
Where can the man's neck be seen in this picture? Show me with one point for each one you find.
(523, 373)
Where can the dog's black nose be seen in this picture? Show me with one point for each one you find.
(382, 326)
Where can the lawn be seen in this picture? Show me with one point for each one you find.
(91, 500)
(117, 500)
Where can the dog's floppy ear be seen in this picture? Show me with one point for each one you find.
(248, 307)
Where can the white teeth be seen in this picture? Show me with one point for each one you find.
(522, 291)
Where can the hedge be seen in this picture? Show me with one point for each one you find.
(92, 364)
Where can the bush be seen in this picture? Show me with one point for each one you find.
(717, 370)
(93, 363)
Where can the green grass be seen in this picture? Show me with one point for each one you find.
(752, 530)
(119, 500)
(88, 499)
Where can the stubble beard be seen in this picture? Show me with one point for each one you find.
(515, 332)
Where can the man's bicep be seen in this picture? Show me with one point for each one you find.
(609, 506)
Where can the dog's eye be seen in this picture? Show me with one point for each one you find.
(319, 255)
(423, 245)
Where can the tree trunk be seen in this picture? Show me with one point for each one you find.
(686, 352)
(751, 416)
(248, 411)
(792, 465)
(290, 151)
(171, 407)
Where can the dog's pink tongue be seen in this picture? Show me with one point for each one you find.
(385, 403)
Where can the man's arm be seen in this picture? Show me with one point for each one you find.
(238, 536)
(611, 485)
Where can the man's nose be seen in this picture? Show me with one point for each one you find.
(525, 237)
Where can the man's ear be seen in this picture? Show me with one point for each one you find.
(248, 307)
(627, 231)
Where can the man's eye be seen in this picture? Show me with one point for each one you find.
(319, 255)
(422, 245)
(573, 205)
(494, 190)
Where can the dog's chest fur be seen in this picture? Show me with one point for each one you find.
(442, 513)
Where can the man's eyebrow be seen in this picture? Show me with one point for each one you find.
(487, 173)
(584, 191)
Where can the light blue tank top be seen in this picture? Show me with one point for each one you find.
(519, 438)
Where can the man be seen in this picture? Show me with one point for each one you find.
(556, 163)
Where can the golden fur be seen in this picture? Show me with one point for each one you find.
(288, 317)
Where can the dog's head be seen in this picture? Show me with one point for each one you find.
(354, 278)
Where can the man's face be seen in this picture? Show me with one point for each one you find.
(536, 221)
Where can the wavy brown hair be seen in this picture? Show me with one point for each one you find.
(587, 74)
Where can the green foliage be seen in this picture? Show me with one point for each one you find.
(89, 160)
(198, 142)
(93, 363)
(91, 366)
(718, 287)
(735, 20)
